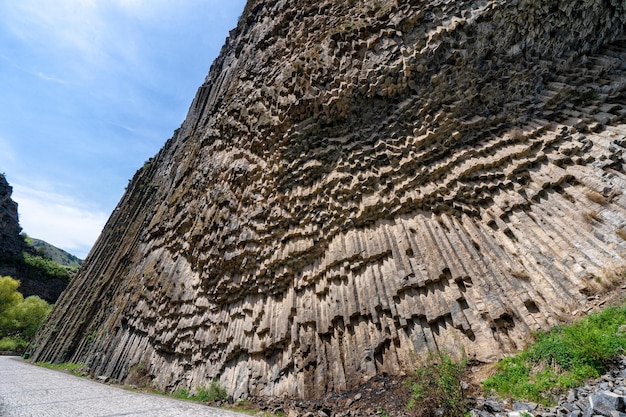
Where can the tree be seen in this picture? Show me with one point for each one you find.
(19, 317)
(9, 295)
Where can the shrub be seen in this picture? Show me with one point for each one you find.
(48, 266)
(9, 296)
(436, 388)
(592, 216)
(19, 317)
(182, 393)
(215, 392)
(212, 393)
(13, 344)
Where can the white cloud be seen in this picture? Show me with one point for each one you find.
(58, 219)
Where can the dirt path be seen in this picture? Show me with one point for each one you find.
(28, 390)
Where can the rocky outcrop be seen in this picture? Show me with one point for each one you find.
(34, 279)
(358, 183)
(10, 240)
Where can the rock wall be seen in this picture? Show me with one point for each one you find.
(10, 240)
(357, 183)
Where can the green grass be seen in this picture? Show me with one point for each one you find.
(78, 369)
(562, 358)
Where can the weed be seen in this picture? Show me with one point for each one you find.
(596, 197)
(381, 412)
(521, 275)
(591, 216)
(181, 393)
(562, 358)
(436, 388)
(212, 393)
(139, 375)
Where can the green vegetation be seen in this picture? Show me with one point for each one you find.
(48, 266)
(436, 388)
(562, 358)
(38, 267)
(53, 253)
(381, 412)
(78, 369)
(212, 393)
(244, 407)
(19, 317)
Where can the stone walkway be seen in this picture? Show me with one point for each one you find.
(30, 391)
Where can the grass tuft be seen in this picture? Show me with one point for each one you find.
(212, 393)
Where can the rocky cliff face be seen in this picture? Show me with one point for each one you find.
(33, 280)
(360, 182)
(10, 240)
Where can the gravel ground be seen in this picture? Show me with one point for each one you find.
(30, 391)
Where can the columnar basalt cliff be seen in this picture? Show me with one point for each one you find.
(357, 183)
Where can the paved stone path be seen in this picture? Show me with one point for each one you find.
(30, 391)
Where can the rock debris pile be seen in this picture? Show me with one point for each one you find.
(357, 183)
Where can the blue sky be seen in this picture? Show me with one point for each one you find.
(90, 89)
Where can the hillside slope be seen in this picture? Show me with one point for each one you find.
(53, 253)
(357, 183)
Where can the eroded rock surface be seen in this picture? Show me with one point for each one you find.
(360, 182)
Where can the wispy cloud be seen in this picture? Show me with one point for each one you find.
(58, 219)
(83, 33)
(51, 79)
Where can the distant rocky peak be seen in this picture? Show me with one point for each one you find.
(10, 240)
